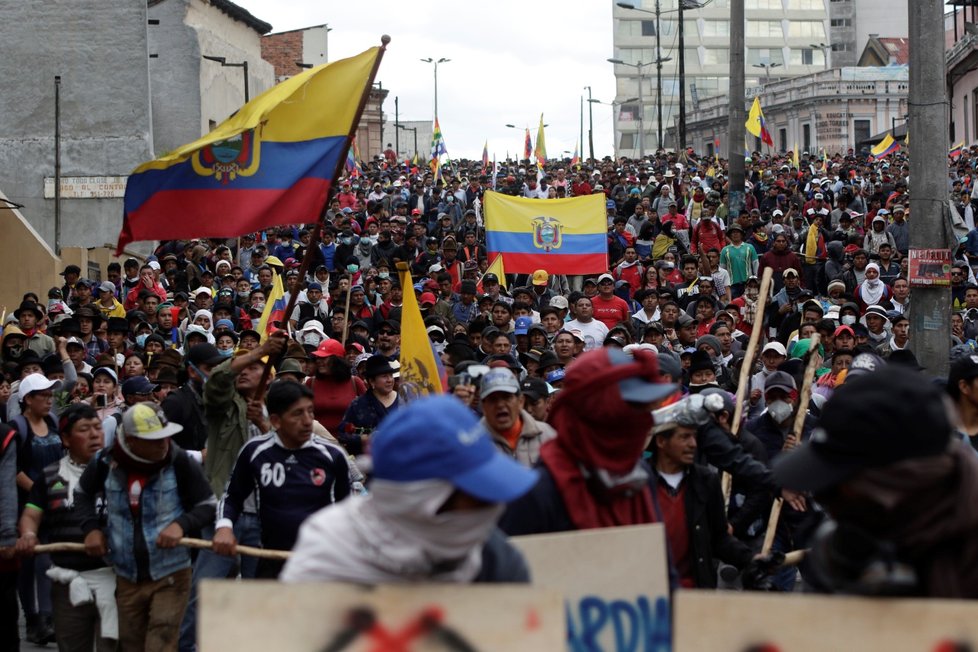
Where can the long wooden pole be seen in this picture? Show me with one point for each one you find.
(795, 436)
(316, 235)
(187, 542)
(726, 480)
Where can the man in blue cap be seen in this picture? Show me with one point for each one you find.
(439, 486)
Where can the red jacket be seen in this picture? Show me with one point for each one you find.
(133, 295)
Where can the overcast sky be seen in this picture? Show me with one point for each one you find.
(510, 61)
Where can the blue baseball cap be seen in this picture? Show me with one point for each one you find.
(138, 385)
(610, 203)
(438, 438)
(522, 325)
(555, 376)
(224, 323)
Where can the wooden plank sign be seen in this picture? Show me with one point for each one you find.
(257, 616)
(615, 581)
(742, 622)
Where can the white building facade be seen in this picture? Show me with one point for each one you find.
(784, 38)
(833, 110)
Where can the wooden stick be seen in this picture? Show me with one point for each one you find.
(726, 481)
(755, 338)
(794, 557)
(200, 544)
(797, 427)
(346, 319)
(772, 525)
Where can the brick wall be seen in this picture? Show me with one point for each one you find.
(282, 51)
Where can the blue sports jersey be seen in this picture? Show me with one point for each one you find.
(289, 485)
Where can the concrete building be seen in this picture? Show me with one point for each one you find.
(100, 50)
(289, 52)
(835, 110)
(405, 145)
(192, 94)
(133, 85)
(784, 38)
(853, 22)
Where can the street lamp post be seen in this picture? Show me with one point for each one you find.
(614, 143)
(767, 70)
(435, 62)
(683, 5)
(641, 102)
(825, 47)
(590, 124)
(243, 65)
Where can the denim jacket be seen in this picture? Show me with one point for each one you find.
(178, 493)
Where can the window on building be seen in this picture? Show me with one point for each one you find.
(710, 149)
(783, 139)
(670, 87)
(692, 57)
(807, 57)
(211, 125)
(774, 5)
(964, 106)
(813, 29)
(764, 55)
(840, 47)
(648, 28)
(628, 113)
(716, 56)
(806, 5)
(841, 22)
(861, 130)
(764, 29)
(627, 141)
(974, 110)
(806, 137)
(715, 28)
(637, 55)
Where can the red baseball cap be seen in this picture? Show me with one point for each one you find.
(844, 329)
(427, 297)
(329, 348)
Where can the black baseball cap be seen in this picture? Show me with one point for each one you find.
(964, 368)
(534, 389)
(873, 420)
(204, 354)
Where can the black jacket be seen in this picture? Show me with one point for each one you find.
(707, 525)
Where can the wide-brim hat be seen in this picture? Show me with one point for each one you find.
(29, 306)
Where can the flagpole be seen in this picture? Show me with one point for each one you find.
(317, 231)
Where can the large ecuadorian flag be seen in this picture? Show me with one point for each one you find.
(271, 163)
(562, 236)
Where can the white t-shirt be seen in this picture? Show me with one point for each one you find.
(594, 332)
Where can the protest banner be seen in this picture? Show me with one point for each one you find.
(738, 622)
(256, 616)
(615, 583)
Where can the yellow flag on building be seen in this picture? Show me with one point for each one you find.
(421, 372)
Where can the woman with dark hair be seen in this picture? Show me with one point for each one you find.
(366, 412)
(333, 384)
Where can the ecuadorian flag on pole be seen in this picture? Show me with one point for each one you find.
(271, 163)
(562, 236)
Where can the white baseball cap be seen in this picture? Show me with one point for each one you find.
(777, 347)
(36, 383)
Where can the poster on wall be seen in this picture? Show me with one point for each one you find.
(929, 267)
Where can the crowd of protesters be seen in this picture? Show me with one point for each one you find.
(138, 414)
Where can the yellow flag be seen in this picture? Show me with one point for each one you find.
(420, 372)
(756, 124)
(541, 149)
(495, 267)
(794, 157)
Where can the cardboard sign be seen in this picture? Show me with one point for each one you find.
(257, 616)
(929, 267)
(615, 581)
(738, 622)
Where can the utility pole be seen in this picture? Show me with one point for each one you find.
(581, 140)
(682, 81)
(658, 75)
(590, 124)
(929, 224)
(397, 129)
(57, 164)
(736, 118)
